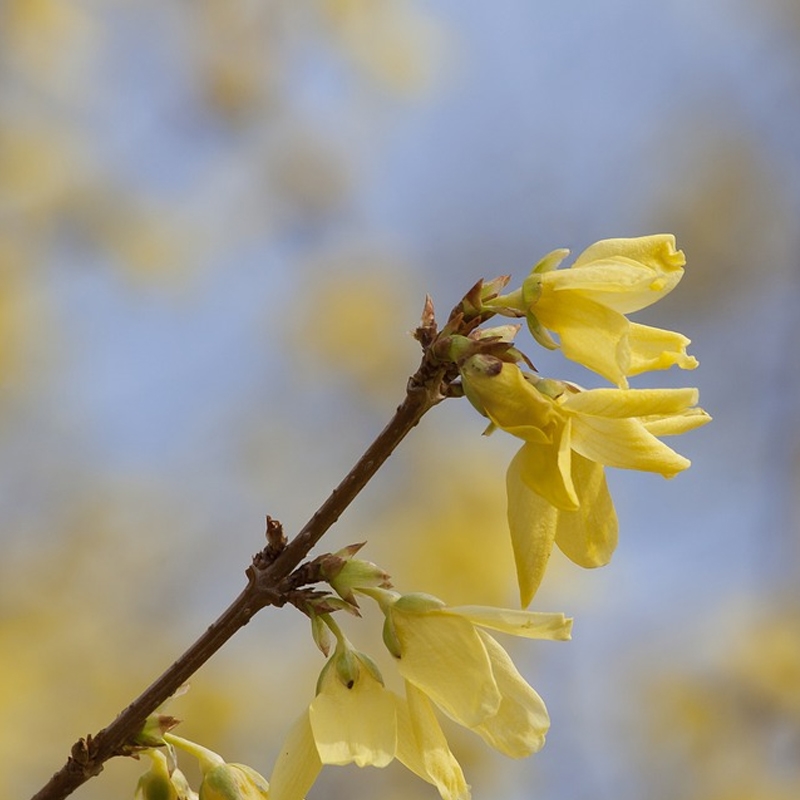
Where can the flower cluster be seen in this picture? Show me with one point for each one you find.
(556, 483)
(445, 657)
(557, 491)
(220, 781)
(586, 305)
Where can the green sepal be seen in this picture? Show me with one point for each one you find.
(540, 333)
(390, 637)
(550, 261)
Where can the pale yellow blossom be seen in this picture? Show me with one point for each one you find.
(355, 719)
(586, 305)
(163, 781)
(221, 780)
(556, 485)
(443, 652)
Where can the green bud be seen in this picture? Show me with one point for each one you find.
(233, 782)
(548, 386)
(158, 723)
(490, 289)
(474, 302)
(156, 783)
(502, 333)
(319, 603)
(478, 365)
(162, 781)
(321, 634)
(418, 603)
(455, 348)
(347, 667)
(358, 574)
(345, 573)
(154, 728)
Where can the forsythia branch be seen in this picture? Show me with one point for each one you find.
(557, 496)
(268, 575)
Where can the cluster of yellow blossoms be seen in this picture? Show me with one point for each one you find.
(557, 493)
(446, 659)
(556, 484)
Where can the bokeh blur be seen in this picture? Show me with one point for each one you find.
(218, 223)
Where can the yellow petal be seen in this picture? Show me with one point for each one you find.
(588, 536)
(445, 658)
(590, 333)
(532, 522)
(679, 423)
(621, 403)
(355, 725)
(520, 724)
(509, 401)
(422, 746)
(529, 624)
(624, 443)
(656, 251)
(655, 348)
(619, 282)
(546, 469)
(600, 277)
(298, 763)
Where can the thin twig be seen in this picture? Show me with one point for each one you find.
(266, 576)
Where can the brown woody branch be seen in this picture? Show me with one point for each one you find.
(268, 578)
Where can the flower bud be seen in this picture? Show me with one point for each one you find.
(345, 573)
(321, 634)
(154, 728)
(158, 723)
(347, 666)
(418, 603)
(233, 782)
(484, 366)
(358, 574)
(162, 781)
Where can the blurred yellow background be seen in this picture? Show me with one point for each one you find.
(218, 223)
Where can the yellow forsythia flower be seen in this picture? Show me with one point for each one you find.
(353, 715)
(221, 780)
(445, 654)
(556, 484)
(586, 305)
(355, 719)
(233, 782)
(163, 781)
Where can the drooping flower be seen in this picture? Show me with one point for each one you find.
(233, 782)
(445, 654)
(355, 719)
(556, 484)
(586, 305)
(163, 781)
(352, 715)
(221, 780)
